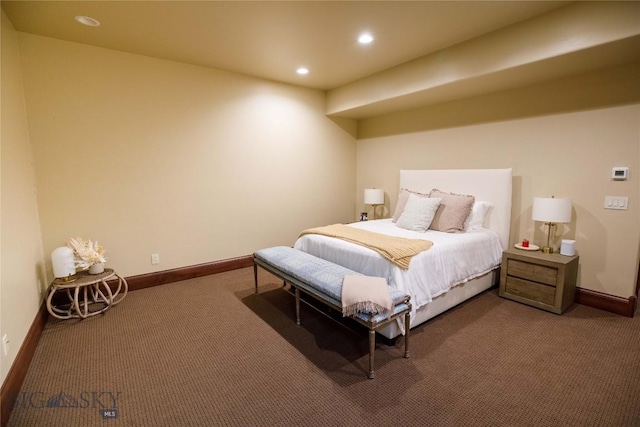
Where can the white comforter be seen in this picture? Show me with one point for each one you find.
(453, 258)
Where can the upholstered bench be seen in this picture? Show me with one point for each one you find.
(322, 280)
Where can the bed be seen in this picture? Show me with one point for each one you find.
(457, 267)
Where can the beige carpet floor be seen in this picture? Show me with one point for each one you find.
(208, 352)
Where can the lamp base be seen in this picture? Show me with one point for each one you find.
(547, 249)
(375, 207)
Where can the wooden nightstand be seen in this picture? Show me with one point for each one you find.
(546, 281)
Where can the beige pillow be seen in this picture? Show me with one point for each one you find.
(452, 213)
(402, 202)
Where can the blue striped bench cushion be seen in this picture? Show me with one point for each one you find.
(322, 277)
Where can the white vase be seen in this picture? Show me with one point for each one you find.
(96, 268)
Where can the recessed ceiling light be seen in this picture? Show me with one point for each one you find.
(302, 71)
(87, 20)
(365, 38)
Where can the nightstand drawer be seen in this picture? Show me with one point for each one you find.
(534, 272)
(530, 290)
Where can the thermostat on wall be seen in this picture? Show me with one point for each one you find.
(619, 173)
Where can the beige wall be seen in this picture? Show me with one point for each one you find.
(22, 278)
(561, 138)
(152, 156)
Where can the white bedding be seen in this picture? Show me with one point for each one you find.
(453, 258)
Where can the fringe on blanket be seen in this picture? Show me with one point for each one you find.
(365, 307)
(365, 294)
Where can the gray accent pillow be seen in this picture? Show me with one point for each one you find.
(418, 213)
(453, 211)
(402, 201)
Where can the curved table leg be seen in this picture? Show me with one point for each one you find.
(108, 301)
(55, 311)
(122, 286)
(76, 305)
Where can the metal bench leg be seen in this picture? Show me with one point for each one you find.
(255, 275)
(297, 306)
(372, 349)
(407, 329)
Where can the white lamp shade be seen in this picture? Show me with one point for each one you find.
(373, 196)
(62, 260)
(549, 209)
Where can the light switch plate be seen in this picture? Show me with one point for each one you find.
(616, 202)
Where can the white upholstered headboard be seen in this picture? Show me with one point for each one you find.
(492, 185)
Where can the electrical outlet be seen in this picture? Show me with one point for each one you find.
(5, 345)
(155, 258)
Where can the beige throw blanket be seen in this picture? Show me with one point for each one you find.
(365, 294)
(398, 250)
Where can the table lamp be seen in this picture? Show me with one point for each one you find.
(63, 265)
(551, 211)
(374, 197)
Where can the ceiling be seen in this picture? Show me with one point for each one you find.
(271, 39)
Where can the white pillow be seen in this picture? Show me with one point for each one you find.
(418, 213)
(475, 221)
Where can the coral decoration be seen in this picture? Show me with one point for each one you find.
(86, 253)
